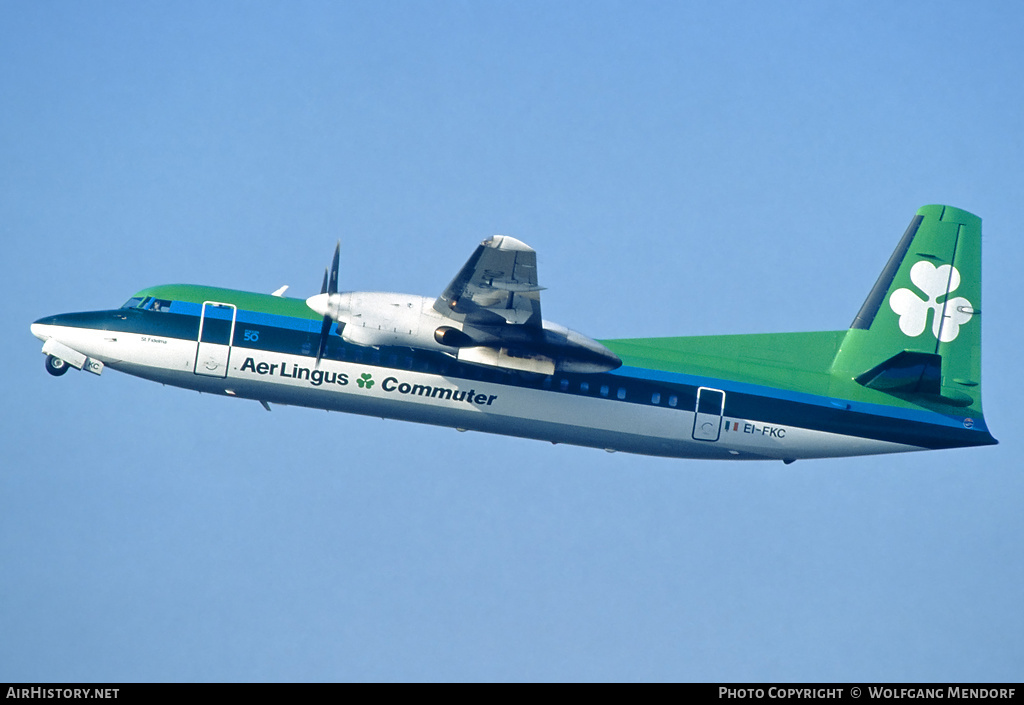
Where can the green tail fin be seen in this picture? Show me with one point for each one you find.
(918, 334)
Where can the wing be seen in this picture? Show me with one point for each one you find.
(496, 287)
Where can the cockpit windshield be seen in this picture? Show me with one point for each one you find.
(148, 303)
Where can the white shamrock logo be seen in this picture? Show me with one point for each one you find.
(913, 311)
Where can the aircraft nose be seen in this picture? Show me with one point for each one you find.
(44, 327)
(40, 328)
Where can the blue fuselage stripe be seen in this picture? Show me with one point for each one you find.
(270, 333)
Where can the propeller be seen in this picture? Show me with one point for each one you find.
(329, 287)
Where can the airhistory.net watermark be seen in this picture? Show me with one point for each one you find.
(62, 693)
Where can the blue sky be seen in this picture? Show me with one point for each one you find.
(681, 168)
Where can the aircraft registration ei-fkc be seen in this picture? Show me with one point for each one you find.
(905, 376)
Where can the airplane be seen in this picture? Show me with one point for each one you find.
(905, 376)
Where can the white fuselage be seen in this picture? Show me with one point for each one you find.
(613, 418)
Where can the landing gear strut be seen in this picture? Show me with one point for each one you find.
(55, 366)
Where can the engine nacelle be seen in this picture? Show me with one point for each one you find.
(372, 318)
(376, 319)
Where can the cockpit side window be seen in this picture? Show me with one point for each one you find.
(148, 303)
(158, 305)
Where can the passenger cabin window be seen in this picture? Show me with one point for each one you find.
(656, 398)
(621, 394)
(604, 390)
(584, 387)
(673, 400)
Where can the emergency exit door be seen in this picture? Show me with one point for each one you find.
(707, 421)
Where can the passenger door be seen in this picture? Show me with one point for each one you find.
(216, 331)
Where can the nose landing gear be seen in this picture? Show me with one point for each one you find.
(55, 366)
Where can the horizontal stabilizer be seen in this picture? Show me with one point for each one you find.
(906, 372)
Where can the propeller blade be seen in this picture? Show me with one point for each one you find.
(324, 330)
(332, 287)
(329, 287)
